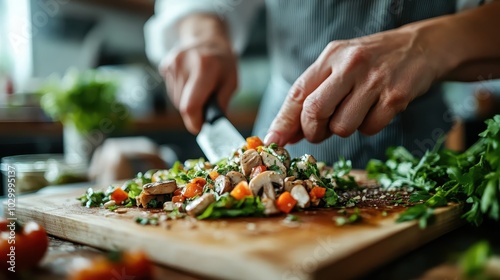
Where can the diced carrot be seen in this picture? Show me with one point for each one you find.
(241, 190)
(178, 198)
(286, 202)
(317, 192)
(253, 142)
(213, 174)
(119, 195)
(191, 190)
(199, 181)
(257, 170)
(178, 191)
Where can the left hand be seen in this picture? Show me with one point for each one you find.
(359, 84)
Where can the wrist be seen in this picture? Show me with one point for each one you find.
(202, 28)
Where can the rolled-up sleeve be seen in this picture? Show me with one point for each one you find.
(161, 35)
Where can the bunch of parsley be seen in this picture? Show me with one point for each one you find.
(441, 176)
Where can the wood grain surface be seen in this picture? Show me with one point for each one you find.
(243, 248)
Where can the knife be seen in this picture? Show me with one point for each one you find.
(218, 138)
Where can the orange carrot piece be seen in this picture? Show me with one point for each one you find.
(318, 192)
(191, 190)
(241, 191)
(253, 142)
(286, 202)
(213, 175)
(178, 198)
(119, 195)
(199, 181)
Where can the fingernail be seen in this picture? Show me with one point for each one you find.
(271, 137)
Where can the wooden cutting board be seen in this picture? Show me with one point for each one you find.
(243, 248)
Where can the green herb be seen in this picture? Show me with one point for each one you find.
(92, 198)
(292, 218)
(474, 260)
(352, 218)
(112, 208)
(442, 176)
(228, 206)
(84, 100)
(147, 221)
(175, 214)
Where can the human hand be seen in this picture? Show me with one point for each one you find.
(203, 65)
(359, 84)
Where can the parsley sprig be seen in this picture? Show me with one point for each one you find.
(441, 176)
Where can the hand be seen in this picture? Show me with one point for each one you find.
(358, 84)
(203, 65)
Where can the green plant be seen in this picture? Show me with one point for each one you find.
(85, 99)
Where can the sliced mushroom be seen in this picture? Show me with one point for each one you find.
(273, 161)
(267, 181)
(304, 161)
(143, 199)
(269, 206)
(249, 159)
(197, 206)
(283, 154)
(288, 183)
(308, 184)
(235, 177)
(222, 184)
(300, 194)
(163, 187)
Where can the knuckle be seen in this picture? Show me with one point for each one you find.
(297, 92)
(395, 102)
(312, 108)
(341, 130)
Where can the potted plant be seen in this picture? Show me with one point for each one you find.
(87, 106)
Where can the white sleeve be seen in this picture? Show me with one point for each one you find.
(161, 35)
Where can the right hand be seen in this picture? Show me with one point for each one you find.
(203, 65)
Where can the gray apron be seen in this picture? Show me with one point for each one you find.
(298, 32)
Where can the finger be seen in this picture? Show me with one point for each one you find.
(382, 113)
(199, 86)
(228, 84)
(353, 109)
(321, 105)
(286, 124)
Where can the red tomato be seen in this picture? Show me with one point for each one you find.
(199, 181)
(130, 265)
(178, 198)
(119, 195)
(24, 245)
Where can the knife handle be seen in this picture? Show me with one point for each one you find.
(212, 110)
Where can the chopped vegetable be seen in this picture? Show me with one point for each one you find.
(257, 170)
(178, 198)
(473, 262)
(191, 190)
(213, 175)
(119, 195)
(286, 202)
(241, 191)
(199, 181)
(228, 206)
(317, 192)
(253, 142)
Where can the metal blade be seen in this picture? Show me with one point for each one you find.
(219, 140)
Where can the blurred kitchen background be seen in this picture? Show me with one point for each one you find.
(41, 37)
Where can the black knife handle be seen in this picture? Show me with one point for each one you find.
(212, 111)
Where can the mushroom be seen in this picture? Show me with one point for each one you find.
(163, 187)
(269, 206)
(266, 180)
(235, 177)
(197, 206)
(304, 161)
(288, 183)
(300, 194)
(144, 199)
(308, 184)
(283, 154)
(222, 184)
(270, 160)
(248, 160)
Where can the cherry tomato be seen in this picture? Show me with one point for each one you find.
(129, 265)
(21, 247)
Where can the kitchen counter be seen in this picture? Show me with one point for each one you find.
(431, 261)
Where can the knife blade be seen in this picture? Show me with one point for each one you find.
(218, 138)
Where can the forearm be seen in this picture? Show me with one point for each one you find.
(461, 41)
